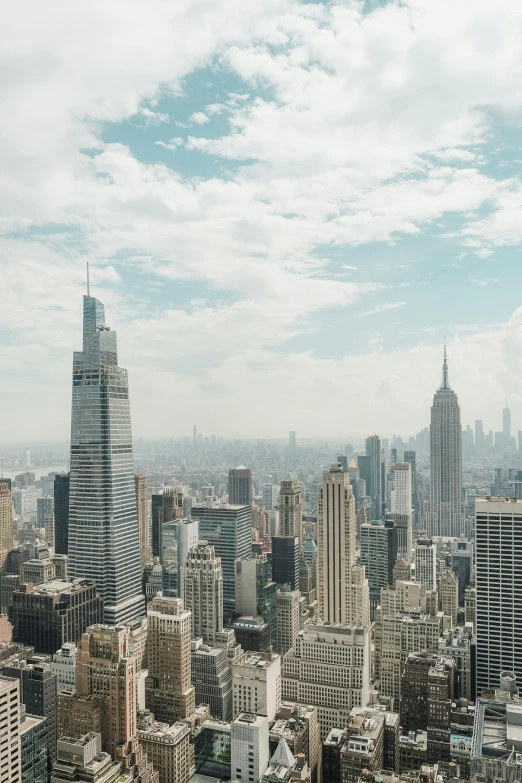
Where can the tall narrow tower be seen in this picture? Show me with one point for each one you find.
(202, 578)
(446, 511)
(103, 528)
(506, 426)
(291, 508)
(374, 489)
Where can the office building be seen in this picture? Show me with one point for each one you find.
(298, 725)
(228, 529)
(103, 541)
(496, 743)
(166, 506)
(426, 563)
(168, 748)
(364, 745)
(169, 692)
(212, 679)
(142, 513)
(401, 497)
(285, 561)
(374, 478)
(270, 496)
(441, 692)
(498, 580)
(61, 513)
(202, 579)
(44, 509)
(462, 564)
(34, 748)
(249, 747)
(330, 668)
(253, 633)
(448, 589)
(256, 684)
(240, 486)
(288, 617)
(64, 666)
(106, 669)
(378, 555)
(337, 594)
(81, 759)
(177, 539)
(446, 508)
(290, 508)
(10, 746)
(47, 615)
(256, 595)
(6, 524)
(37, 691)
(37, 571)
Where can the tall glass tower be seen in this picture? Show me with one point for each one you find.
(103, 528)
(446, 509)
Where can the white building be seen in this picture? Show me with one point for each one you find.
(270, 496)
(330, 668)
(401, 496)
(202, 580)
(249, 747)
(426, 563)
(256, 684)
(64, 666)
(498, 581)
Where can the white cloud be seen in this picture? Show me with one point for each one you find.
(153, 117)
(382, 308)
(172, 144)
(199, 117)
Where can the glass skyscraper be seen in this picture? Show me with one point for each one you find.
(103, 528)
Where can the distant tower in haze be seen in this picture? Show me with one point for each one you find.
(240, 486)
(374, 486)
(103, 527)
(446, 509)
(291, 440)
(194, 434)
(506, 425)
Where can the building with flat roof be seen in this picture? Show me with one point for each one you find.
(256, 684)
(34, 748)
(167, 747)
(82, 759)
(249, 747)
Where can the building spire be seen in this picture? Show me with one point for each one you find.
(445, 379)
(88, 281)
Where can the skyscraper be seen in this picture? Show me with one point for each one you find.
(166, 506)
(498, 580)
(374, 486)
(291, 440)
(338, 593)
(426, 563)
(61, 513)
(506, 425)
(202, 578)
(290, 508)
(6, 524)
(142, 511)
(446, 509)
(240, 486)
(10, 748)
(103, 527)
(401, 497)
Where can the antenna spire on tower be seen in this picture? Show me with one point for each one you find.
(445, 379)
(88, 281)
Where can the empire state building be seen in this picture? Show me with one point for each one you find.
(103, 525)
(446, 516)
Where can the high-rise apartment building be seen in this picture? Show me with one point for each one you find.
(6, 524)
(426, 563)
(446, 508)
(290, 508)
(374, 486)
(142, 512)
(169, 692)
(47, 615)
(106, 669)
(228, 529)
(202, 578)
(337, 592)
(448, 589)
(10, 745)
(498, 580)
(240, 486)
(288, 616)
(330, 668)
(61, 513)
(103, 528)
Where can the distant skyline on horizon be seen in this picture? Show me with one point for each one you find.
(284, 212)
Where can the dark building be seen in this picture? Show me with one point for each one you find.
(252, 633)
(462, 564)
(332, 746)
(228, 528)
(35, 750)
(240, 486)
(343, 462)
(392, 733)
(37, 692)
(47, 615)
(285, 561)
(409, 456)
(402, 522)
(165, 507)
(414, 691)
(441, 692)
(6, 481)
(61, 513)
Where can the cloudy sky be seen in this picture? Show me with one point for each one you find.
(285, 204)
